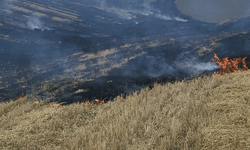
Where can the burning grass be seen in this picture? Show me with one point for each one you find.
(205, 113)
(230, 65)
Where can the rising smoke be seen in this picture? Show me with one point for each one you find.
(135, 21)
(195, 67)
(154, 66)
(144, 65)
(35, 23)
(146, 9)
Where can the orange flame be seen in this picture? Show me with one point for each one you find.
(88, 103)
(97, 101)
(230, 65)
(56, 105)
(85, 104)
(19, 98)
(102, 102)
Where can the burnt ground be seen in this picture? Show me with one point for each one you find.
(86, 52)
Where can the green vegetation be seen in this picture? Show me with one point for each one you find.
(204, 113)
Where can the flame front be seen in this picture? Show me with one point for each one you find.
(230, 65)
(19, 98)
(97, 101)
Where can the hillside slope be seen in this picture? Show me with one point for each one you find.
(205, 113)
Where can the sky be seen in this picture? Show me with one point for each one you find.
(214, 11)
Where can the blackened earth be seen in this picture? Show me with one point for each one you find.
(69, 51)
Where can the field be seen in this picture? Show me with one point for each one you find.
(203, 113)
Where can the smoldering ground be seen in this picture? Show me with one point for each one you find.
(99, 49)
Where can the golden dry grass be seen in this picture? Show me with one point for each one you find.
(205, 113)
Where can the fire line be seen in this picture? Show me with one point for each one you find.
(230, 65)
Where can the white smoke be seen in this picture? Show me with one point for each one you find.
(167, 17)
(153, 67)
(146, 10)
(151, 10)
(164, 17)
(141, 12)
(123, 14)
(180, 19)
(35, 23)
(194, 67)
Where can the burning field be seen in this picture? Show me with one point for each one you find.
(118, 59)
(230, 65)
(100, 49)
(204, 113)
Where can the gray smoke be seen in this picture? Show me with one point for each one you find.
(146, 10)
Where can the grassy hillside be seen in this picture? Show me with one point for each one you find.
(205, 113)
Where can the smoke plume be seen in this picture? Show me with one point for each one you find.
(35, 23)
(146, 10)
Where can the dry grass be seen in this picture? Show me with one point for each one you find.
(205, 113)
(60, 19)
(22, 9)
